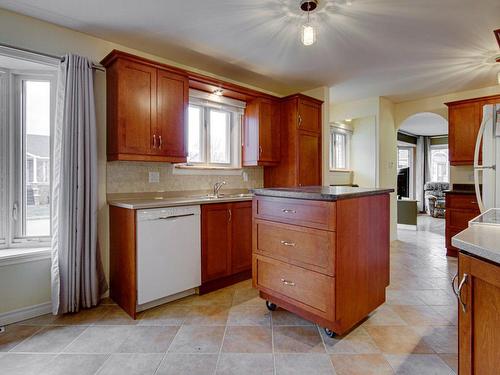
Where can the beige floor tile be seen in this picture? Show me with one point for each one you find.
(107, 301)
(74, 364)
(361, 364)
(249, 339)
(403, 297)
(207, 315)
(24, 364)
(50, 339)
(300, 364)
(131, 364)
(451, 360)
(437, 297)
(222, 297)
(45, 319)
(418, 364)
(384, 316)
(442, 339)
(169, 315)
(356, 342)
(282, 317)
(245, 364)
(297, 339)
(15, 334)
(420, 315)
(244, 297)
(100, 340)
(450, 313)
(198, 339)
(398, 340)
(143, 339)
(85, 317)
(249, 316)
(115, 315)
(188, 364)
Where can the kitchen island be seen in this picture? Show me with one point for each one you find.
(322, 252)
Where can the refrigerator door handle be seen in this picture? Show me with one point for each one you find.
(478, 167)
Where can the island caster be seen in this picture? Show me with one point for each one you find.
(271, 306)
(330, 333)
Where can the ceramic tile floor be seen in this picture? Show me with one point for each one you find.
(231, 331)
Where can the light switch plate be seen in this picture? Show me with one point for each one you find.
(154, 177)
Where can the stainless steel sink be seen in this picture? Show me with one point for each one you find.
(243, 195)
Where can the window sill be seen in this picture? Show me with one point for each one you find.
(22, 255)
(341, 170)
(183, 169)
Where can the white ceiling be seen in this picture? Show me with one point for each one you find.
(402, 49)
(425, 123)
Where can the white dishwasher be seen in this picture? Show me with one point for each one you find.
(168, 252)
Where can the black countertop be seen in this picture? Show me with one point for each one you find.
(321, 193)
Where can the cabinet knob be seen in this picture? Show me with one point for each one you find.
(300, 119)
(286, 282)
(288, 211)
(286, 243)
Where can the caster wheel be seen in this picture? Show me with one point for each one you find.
(271, 306)
(329, 333)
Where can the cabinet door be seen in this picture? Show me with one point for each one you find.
(172, 107)
(215, 241)
(479, 319)
(309, 159)
(309, 116)
(136, 107)
(269, 134)
(241, 229)
(464, 123)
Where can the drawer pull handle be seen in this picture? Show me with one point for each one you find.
(459, 292)
(286, 282)
(286, 243)
(288, 211)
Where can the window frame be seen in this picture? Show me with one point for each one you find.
(13, 156)
(333, 158)
(411, 164)
(439, 147)
(233, 140)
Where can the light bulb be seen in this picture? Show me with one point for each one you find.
(308, 35)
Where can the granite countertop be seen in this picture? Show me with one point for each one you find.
(138, 201)
(480, 240)
(321, 193)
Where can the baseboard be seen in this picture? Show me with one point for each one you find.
(24, 313)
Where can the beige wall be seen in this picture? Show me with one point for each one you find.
(363, 149)
(27, 32)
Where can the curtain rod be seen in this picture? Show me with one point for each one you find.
(60, 58)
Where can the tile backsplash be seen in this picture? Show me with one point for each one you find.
(133, 177)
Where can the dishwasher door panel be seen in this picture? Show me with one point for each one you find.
(168, 257)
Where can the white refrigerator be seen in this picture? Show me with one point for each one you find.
(486, 171)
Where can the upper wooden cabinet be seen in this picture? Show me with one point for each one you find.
(146, 110)
(464, 120)
(261, 135)
(300, 151)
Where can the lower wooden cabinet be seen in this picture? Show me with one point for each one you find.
(478, 316)
(226, 244)
(460, 209)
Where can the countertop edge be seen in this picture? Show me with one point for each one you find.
(489, 249)
(318, 196)
(173, 203)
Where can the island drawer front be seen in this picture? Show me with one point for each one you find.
(462, 201)
(309, 248)
(306, 289)
(460, 218)
(308, 213)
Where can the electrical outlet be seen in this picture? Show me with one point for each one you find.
(154, 177)
(245, 176)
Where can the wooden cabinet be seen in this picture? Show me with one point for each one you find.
(261, 134)
(146, 110)
(326, 261)
(460, 209)
(478, 316)
(300, 134)
(464, 120)
(226, 245)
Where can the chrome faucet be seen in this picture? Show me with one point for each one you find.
(217, 187)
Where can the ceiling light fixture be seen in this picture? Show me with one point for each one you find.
(308, 33)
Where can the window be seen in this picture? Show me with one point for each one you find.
(439, 164)
(28, 102)
(406, 171)
(214, 133)
(339, 148)
(403, 157)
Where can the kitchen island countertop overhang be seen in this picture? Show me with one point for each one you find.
(321, 193)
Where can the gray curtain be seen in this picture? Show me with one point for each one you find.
(420, 174)
(77, 275)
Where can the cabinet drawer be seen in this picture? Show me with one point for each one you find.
(307, 213)
(460, 218)
(462, 201)
(313, 249)
(306, 289)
